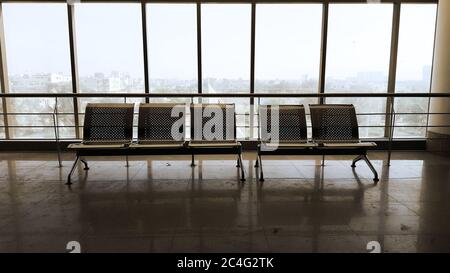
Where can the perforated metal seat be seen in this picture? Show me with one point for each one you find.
(289, 126)
(107, 126)
(213, 123)
(213, 130)
(161, 125)
(335, 126)
(283, 129)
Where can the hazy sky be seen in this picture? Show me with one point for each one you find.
(288, 39)
(172, 41)
(109, 37)
(359, 39)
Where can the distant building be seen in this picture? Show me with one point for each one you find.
(39, 82)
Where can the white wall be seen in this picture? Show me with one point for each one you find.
(441, 70)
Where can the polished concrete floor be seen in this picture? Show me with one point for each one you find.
(161, 204)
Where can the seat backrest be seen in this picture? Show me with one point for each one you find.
(334, 123)
(108, 123)
(213, 122)
(161, 122)
(291, 123)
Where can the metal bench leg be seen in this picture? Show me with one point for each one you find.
(257, 162)
(193, 161)
(242, 167)
(238, 163)
(375, 179)
(86, 167)
(358, 158)
(74, 166)
(128, 162)
(323, 160)
(261, 173)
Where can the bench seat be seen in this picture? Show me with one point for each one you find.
(76, 146)
(335, 131)
(214, 144)
(160, 145)
(350, 145)
(288, 145)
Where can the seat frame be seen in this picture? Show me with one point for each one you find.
(215, 147)
(133, 149)
(319, 149)
(94, 150)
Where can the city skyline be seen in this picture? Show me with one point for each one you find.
(107, 45)
(287, 53)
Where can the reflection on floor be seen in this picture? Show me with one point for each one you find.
(161, 204)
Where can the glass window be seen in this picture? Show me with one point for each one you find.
(109, 50)
(172, 48)
(38, 59)
(414, 59)
(358, 53)
(287, 51)
(287, 56)
(226, 56)
(109, 47)
(226, 47)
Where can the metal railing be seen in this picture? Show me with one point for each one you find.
(251, 122)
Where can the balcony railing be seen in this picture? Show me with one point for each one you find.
(248, 122)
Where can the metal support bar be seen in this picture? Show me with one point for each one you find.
(241, 167)
(237, 1)
(145, 49)
(74, 166)
(4, 82)
(261, 172)
(73, 65)
(252, 66)
(323, 51)
(372, 168)
(225, 95)
(199, 48)
(392, 66)
(358, 158)
(86, 166)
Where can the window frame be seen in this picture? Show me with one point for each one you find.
(324, 35)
